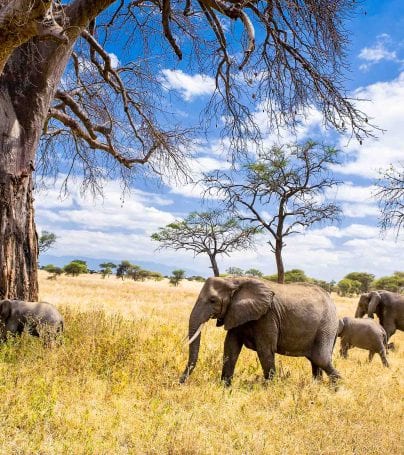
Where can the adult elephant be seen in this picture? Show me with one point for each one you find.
(388, 306)
(39, 319)
(295, 320)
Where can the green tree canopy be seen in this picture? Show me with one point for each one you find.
(46, 241)
(366, 279)
(212, 233)
(281, 193)
(254, 272)
(76, 268)
(177, 276)
(393, 283)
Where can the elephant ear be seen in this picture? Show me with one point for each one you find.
(375, 299)
(249, 302)
(5, 310)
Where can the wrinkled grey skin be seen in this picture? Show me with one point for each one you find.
(365, 334)
(39, 319)
(295, 320)
(388, 306)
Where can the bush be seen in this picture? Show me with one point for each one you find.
(394, 283)
(75, 268)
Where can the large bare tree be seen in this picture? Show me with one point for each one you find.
(58, 82)
(282, 193)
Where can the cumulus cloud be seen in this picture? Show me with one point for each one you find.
(386, 110)
(327, 253)
(189, 86)
(379, 52)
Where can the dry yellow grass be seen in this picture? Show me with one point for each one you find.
(112, 387)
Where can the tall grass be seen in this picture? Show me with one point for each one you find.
(112, 387)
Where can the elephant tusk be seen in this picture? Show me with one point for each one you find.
(196, 334)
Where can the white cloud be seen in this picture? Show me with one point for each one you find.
(190, 86)
(328, 253)
(386, 110)
(114, 60)
(378, 52)
(136, 212)
(198, 166)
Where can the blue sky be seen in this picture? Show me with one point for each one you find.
(111, 229)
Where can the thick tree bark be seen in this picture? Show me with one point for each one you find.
(27, 87)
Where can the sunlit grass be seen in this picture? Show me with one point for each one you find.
(112, 387)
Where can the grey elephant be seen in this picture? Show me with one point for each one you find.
(39, 319)
(388, 306)
(365, 334)
(295, 320)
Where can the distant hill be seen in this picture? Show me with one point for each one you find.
(93, 264)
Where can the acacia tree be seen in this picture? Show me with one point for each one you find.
(281, 193)
(105, 117)
(46, 241)
(212, 233)
(390, 195)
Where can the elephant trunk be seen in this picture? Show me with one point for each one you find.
(198, 317)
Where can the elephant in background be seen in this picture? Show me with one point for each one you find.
(39, 319)
(293, 319)
(388, 306)
(365, 334)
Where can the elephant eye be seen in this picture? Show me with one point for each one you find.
(212, 300)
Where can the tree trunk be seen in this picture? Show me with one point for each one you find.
(26, 90)
(18, 239)
(279, 261)
(214, 266)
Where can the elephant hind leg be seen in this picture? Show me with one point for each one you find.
(322, 359)
(383, 356)
(316, 371)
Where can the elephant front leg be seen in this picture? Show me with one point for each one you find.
(232, 348)
(267, 360)
(344, 349)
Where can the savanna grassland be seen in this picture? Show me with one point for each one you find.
(112, 386)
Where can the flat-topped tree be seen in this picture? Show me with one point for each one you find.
(60, 86)
(281, 193)
(212, 233)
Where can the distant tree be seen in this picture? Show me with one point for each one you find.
(46, 241)
(156, 276)
(76, 268)
(177, 276)
(296, 276)
(212, 233)
(53, 270)
(236, 271)
(347, 287)
(281, 193)
(254, 272)
(291, 276)
(196, 278)
(393, 283)
(106, 268)
(390, 195)
(366, 279)
(123, 269)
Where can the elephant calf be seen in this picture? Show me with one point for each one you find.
(364, 334)
(39, 319)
